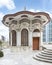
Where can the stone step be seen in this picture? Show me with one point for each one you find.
(41, 59)
(48, 50)
(44, 52)
(45, 55)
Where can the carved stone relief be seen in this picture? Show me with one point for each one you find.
(14, 22)
(24, 20)
(25, 23)
(36, 21)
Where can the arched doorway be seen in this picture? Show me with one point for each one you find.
(13, 38)
(36, 40)
(24, 37)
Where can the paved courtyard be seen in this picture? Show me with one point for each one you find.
(18, 56)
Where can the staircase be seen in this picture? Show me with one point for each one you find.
(45, 56)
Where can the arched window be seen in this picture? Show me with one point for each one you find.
(24, 37)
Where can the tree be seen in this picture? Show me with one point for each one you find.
(0, 44)
(1, 52)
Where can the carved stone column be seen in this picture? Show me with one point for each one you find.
(41, 39)
(30, 38)
(10, 37)
(18, 36)
(30, 35)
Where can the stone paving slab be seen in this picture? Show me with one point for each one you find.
(14, 57)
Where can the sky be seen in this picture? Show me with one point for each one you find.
(13, 6)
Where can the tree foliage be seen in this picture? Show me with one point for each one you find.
(0, 42)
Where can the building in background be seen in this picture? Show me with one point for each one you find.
(2, 38)
(50, 32)
(47, 33)
(44, 34)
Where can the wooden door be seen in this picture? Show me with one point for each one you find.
(24, 37)
(13, 38)
(35, 43)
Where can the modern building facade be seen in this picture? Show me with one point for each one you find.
(44, 34)
(26, 28)
(48, 33)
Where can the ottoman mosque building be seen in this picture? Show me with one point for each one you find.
(26, 28)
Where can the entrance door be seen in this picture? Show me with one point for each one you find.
(24, 37)
(35, 43)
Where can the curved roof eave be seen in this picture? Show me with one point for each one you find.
(27, 12)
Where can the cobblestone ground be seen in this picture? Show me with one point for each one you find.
(16, 56)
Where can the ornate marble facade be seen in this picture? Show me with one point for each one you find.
(24, 27)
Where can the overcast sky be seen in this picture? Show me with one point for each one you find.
(13, 6)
